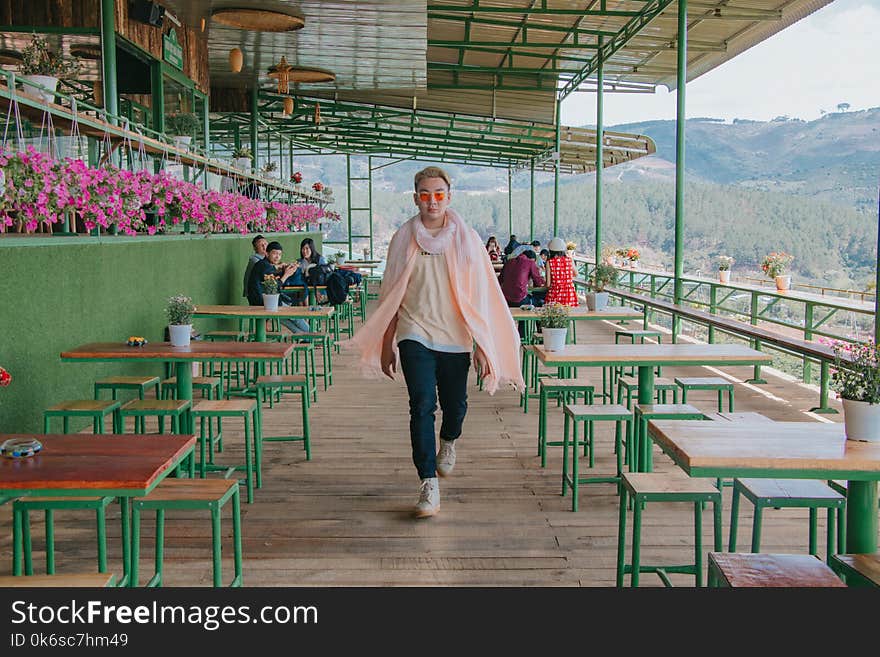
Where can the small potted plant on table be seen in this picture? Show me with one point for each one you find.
(553, 319)
(603, 275)
(775, 265)
(271, 293)
(180, 310)
(270, 170)
(724, 264)
(242, 158)
(856, 378)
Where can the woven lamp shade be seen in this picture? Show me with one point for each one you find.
(288, 106)
(310, 74)
(258, 20)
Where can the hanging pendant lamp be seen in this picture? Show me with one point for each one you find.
(317, 114)
(236, 60)
(288, 106)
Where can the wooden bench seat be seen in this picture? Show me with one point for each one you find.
(70, 580)
(858, 569)
(770, 570)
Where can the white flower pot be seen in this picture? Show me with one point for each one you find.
(47, 81)
(634, 264)
(270, 302)
(597, 300)
(724, 275)
(340, 260)
(862, 420)
(243, 163)
(554, 338)
(783, 283)
(180, 334)
(182, 141)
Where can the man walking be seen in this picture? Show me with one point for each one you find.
(439, 303)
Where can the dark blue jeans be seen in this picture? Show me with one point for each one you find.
(430, 373)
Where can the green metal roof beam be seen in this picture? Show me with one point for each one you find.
(443, 144)
(501, 49)
(477, 45)
(618, 41)
(541, 11)
(500, 70)
(515, 24)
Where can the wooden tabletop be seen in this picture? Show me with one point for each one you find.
(809, 450)
(613, 313)
(299, 312)
(197, 351)
(128, 464)
(652, 354)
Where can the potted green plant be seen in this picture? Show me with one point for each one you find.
(271, 293)
(180, 310)
(340, 258)
(775, 265)
(42, 66)
(553, 320)
(242, 158)
(182, 126)
(725, 262)
(270, 169)
(603, 275)
(856, 378)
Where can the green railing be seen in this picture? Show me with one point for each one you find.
(803, 315)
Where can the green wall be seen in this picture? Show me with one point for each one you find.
(60, 292)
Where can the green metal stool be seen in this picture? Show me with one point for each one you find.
(707, 383)
(209, 386)
(770, 570)
(23, 506)
(211, 494)
(590, 413)
(265, 386)
(644, 487)
(321, 340)
(643, 452)
(137, 383)
(785, 494)
(249, 411)
(96, 409)
(307, 350)
(630, 386)
(531, 376)
(566, 391)
(857, 569)
(141, 409)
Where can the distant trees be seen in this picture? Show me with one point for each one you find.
(843, 106)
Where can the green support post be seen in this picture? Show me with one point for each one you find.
(255, 114)
(824, 380)
(556, 162)
(877, 288)
(808, 335)
(861, 517)
(679, 161)
(509, 202)
(370, 199)
(755, 344)
(600, 143)
(236, 136)
(713, 309)
(157, 89)
(108, 57)
(532, 201)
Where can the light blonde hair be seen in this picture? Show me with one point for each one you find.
(431, 172)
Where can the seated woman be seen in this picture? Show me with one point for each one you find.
(493, 249)
(309, 255)
(560, 275)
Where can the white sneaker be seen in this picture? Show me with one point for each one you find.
(429, 498)
(446, 457)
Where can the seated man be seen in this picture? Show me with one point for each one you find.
(515, 277)
(259, 243)
(271, 266)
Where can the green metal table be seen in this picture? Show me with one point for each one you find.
(578, 314)
(183, 357)
(78, 465)
(256, 312)
(791, 450)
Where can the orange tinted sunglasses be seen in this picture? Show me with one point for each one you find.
(424, 197)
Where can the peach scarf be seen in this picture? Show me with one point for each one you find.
(475, 291)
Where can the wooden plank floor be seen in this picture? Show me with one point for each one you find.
(344, 518)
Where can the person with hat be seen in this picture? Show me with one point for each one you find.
(439, 303)
(271, 266)
(560, 275)
(259, 243)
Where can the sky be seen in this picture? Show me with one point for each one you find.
(829, 57)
